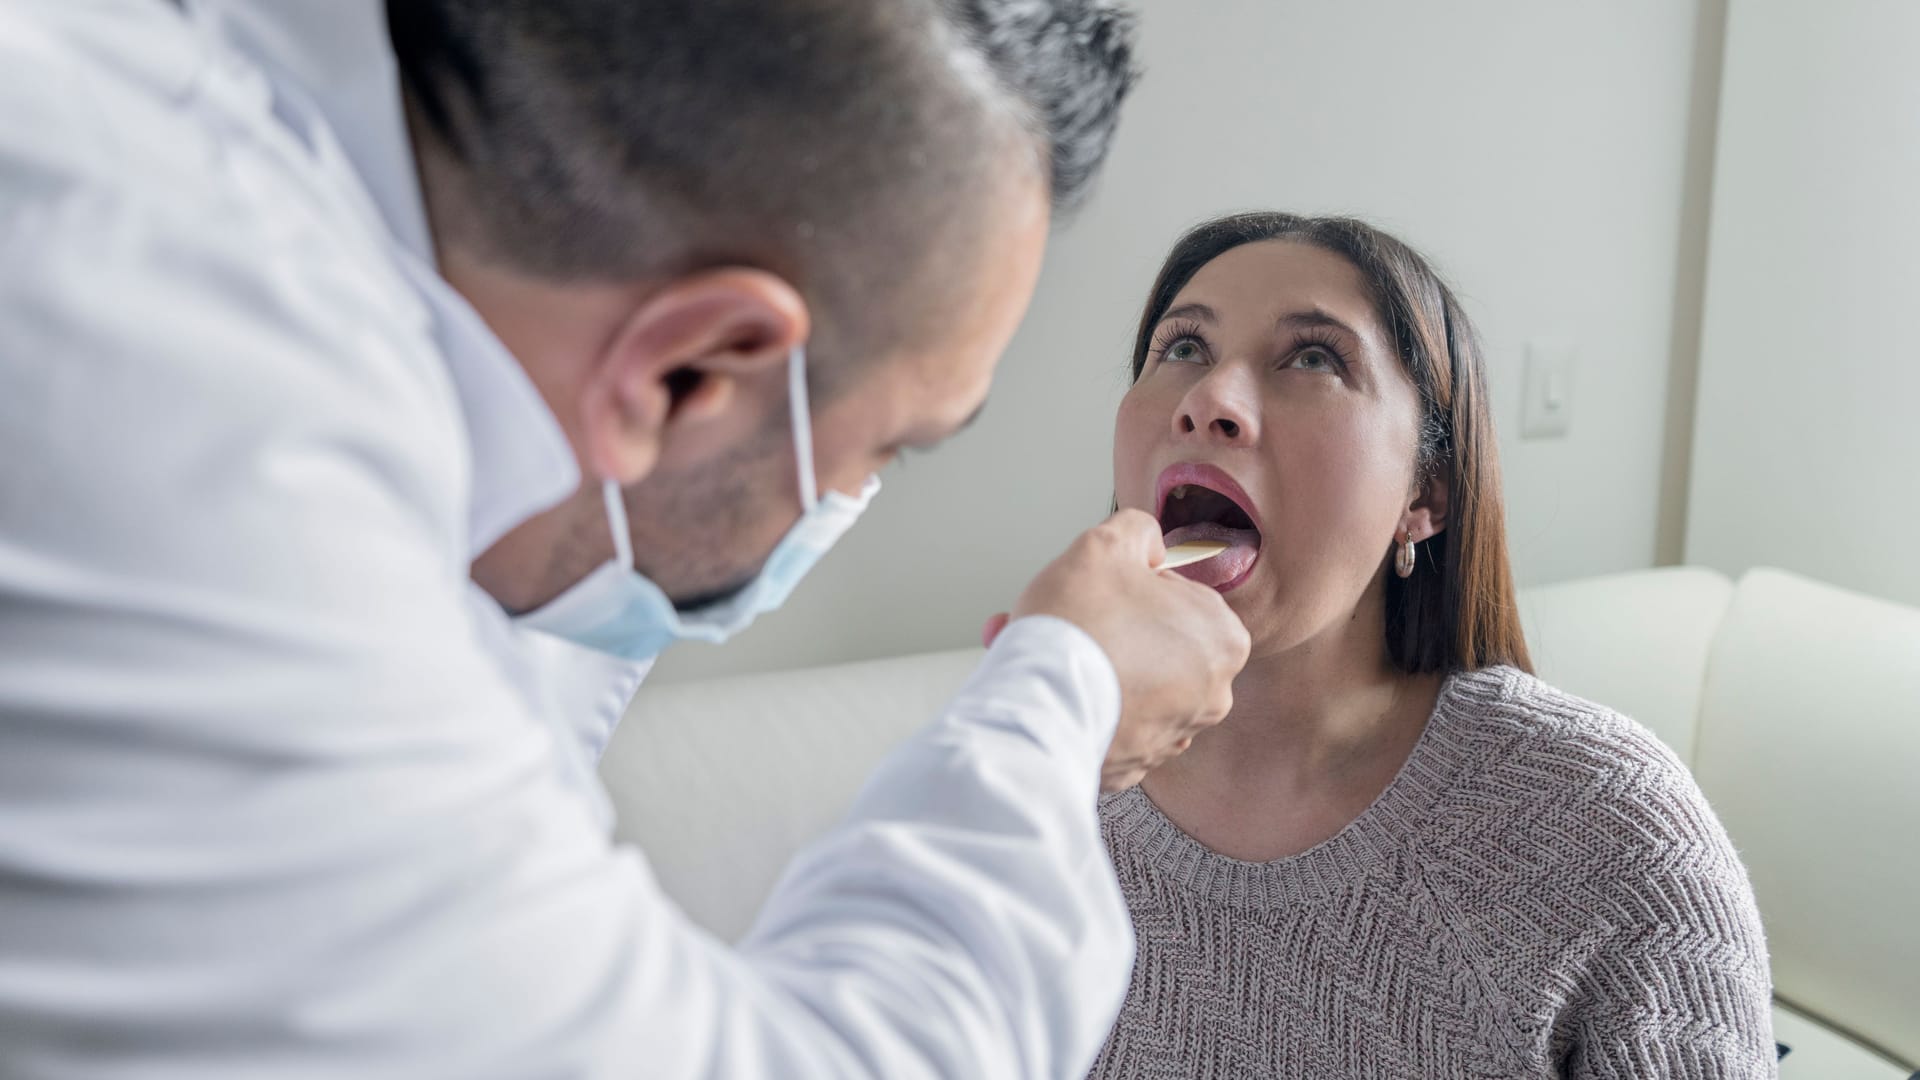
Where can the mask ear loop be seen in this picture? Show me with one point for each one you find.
(802, 418)
(617, 521)
(802, 415)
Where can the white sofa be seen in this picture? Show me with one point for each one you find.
(1797, 705)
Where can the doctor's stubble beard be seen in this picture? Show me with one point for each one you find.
(702, 534)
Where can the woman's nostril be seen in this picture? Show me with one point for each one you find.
(1186, 424)
(1228, 428)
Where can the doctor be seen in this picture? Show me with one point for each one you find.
(346, 350)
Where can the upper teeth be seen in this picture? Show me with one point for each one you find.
(1181, 491)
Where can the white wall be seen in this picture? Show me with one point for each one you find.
(1539, 152)
(1808, 430)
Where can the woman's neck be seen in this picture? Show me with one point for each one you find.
(1317, 732)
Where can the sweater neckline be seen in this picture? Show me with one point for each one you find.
(1368, 843)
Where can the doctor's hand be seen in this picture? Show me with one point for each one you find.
(1175, 644)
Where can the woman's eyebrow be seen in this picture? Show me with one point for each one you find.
(1315, 317)
(1191, 311)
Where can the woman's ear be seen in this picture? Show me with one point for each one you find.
(679, 361)
(1426, 516)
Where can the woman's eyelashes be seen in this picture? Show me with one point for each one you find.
(1317, 352)
(1312, 351)
(1179, 343)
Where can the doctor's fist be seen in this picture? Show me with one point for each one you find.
(1176, 645)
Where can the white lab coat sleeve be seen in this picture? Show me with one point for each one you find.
(974, 851)
(269, 806)
(963, 921)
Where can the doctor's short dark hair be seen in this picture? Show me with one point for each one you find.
(844, 144)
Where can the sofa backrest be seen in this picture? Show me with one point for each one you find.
(1635, 643)
(720, 782)
(1809, 750)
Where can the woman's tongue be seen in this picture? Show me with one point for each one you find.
(1243, 546)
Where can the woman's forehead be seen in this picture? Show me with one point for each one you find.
(1271, 279)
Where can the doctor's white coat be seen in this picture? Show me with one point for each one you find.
(281, 793)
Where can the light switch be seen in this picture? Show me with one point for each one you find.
(1547, 385)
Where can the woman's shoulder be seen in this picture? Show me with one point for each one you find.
(1582, 828)
(1562, 764)
(1512, 716)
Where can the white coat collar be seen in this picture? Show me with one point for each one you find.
(333, 58)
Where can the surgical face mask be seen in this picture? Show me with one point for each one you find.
(617, 610)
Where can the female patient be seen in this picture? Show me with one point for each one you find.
(1402, 855)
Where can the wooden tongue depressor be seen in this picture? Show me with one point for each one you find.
(1192, 551)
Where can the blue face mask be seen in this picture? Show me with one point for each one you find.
(617, 610)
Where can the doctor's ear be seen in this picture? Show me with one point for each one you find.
(679, 362)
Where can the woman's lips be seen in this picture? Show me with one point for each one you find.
(1229, 569)
(1199, 474)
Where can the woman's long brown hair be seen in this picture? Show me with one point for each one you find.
(1457, 611)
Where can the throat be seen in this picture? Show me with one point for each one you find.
(1267, 785)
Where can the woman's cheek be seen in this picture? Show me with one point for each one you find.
(1133, 440)
(1367, 467)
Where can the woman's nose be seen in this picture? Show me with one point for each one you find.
(1218, 409)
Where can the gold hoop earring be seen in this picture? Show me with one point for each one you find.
(1403, 561)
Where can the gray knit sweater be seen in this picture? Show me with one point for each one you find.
(1541, 892)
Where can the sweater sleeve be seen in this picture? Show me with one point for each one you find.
(1680, 986)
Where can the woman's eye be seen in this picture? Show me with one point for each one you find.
(1315, 360)
(1184, 351)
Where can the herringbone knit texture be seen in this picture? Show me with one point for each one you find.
(1542, 892)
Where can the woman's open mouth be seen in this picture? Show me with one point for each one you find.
(1201, 502)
